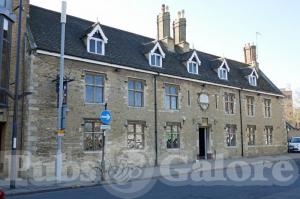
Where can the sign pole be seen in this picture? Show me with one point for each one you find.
(105, 118)
(60, 95)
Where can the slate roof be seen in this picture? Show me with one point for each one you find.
(128, 49)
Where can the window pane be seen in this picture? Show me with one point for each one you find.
(138, 128)
(173, 90)
(88, 127)
(97, 126)
(153, 60)
(98, 142)
(138, 85)
(99, 47)
(99, 80)
(167, 102)
(88, 142)
(92, 46)
(130, 128)
(89, 79)
(138, 99)
(131, 84)
(190, 67)
(158, 60)
(89, 94)
(99, 94)
(173, 103)
(131, 98)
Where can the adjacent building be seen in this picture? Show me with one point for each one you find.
(165, 97)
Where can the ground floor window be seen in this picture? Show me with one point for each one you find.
(268, 135)
(230, 130)
(173, 135)
(135, 134)
(93, 137)
(251, 134)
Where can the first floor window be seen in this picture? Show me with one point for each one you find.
(93, 137)
(135, 93)
(250, 105)
(173, 135)
(230, 130)
(135, 134)
(229, 103)
(268, 135)
(171, 97)
(94, 88)
(251, 134)
(267, 107)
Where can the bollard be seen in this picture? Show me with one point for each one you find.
(2, 195)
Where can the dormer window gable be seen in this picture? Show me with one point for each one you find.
(252, 78)
(223, 70)
(156, 55)
(96, 41)
(193, 64)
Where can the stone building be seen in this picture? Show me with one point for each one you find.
(288, 106)
(165, 97)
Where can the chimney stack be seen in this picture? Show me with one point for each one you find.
(163, 28)
(179, 31)
(250, 55)
(163, 23)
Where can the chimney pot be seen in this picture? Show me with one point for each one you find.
(182, 14)
(163, 6)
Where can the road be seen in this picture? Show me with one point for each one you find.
(186, 189)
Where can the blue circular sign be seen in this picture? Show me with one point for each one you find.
(105, 117)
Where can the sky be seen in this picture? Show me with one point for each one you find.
(220, 27)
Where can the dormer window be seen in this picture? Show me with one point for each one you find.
(252, 78)
(156, 55)
(96, 40)
(193, 63)
(155, 60)
(96, 46)
(193, 67)
(223, 70)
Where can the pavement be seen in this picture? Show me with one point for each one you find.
(166, 176)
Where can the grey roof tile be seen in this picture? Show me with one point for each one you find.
(129, 49)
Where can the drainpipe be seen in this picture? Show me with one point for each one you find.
(155, 119)
(241, 120)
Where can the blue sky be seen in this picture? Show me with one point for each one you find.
(220, 27)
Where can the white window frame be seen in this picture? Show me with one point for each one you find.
(197, 63)
(223, 69)
(153, 53)
(104, 39)
(252, 80)
(155, 64)
(96, 46)
(194, 64)
(221, 72)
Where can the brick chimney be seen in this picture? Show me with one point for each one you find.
(250, 54)
(179, 31)
(163, 28)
